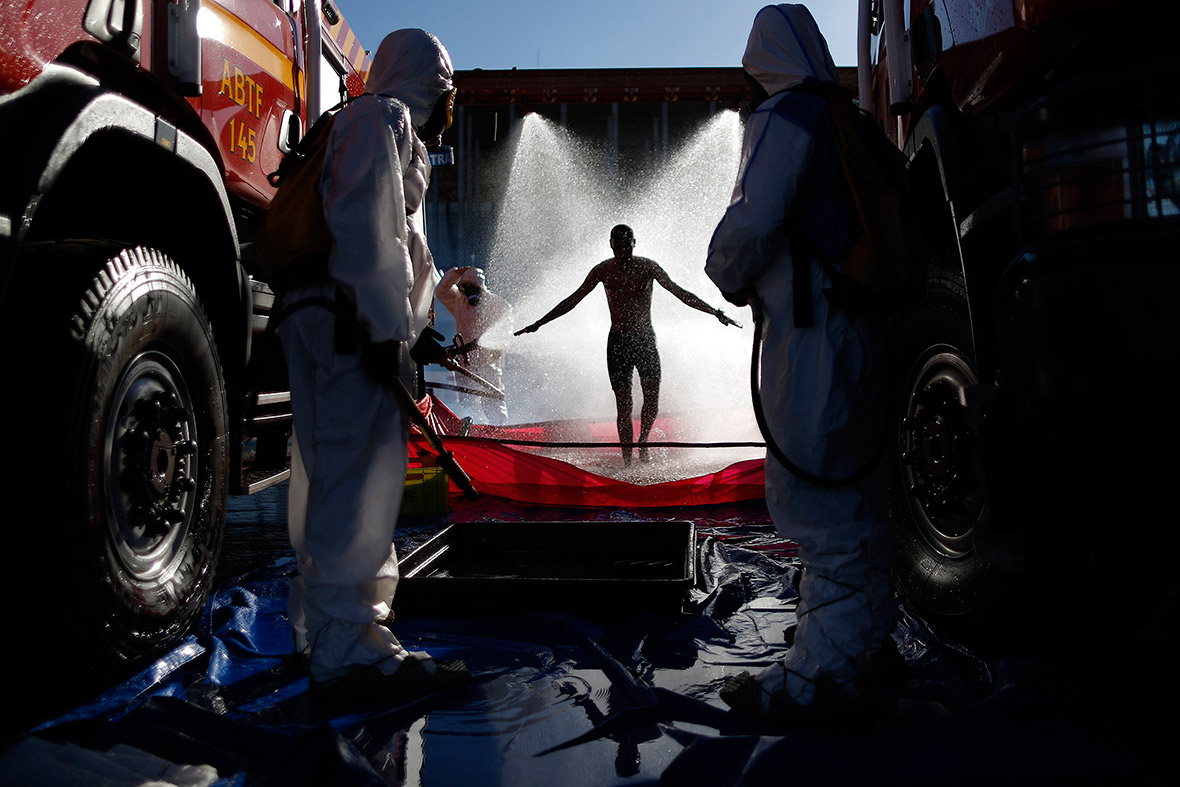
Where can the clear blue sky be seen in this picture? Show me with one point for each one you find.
(599, 34)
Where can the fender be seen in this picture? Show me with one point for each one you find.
(935, 132)
(71, 107)
(934, 149)
(66, 115)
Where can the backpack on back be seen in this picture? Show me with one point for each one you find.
(293, 242)
(885, 261)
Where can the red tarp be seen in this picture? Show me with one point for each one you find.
(503, 471)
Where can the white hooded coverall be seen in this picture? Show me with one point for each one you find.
(349, 458)
(489, 323)
(823, 385)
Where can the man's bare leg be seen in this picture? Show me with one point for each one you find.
(648, 413)
(623, 405)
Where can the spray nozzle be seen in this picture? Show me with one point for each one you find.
(472, 292)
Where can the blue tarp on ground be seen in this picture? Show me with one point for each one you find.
(574, 700)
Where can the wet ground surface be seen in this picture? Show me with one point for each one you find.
(1098, 716)
(1130, 678)
(255, 532)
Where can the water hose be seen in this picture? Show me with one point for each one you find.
(556, 444)
(764, 428)
(432, 384)
(490, 390)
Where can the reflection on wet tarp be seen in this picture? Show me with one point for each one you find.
(573, 699)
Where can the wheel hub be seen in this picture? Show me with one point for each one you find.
(151, 458)
(162, 463)
(940, 462)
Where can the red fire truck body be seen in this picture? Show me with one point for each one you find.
(1044, 146)
(136, 137)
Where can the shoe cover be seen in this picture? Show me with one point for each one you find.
(767, 699)
(409, 679)
(341, 645)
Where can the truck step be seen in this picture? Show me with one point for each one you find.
(255, 480)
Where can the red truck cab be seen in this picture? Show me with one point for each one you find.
(1044, 145)
(136, 137)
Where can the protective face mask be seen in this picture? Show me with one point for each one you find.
(439, 120)
(758, 93)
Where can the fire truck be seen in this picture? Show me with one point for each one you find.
(1034, 458)
(136, 139)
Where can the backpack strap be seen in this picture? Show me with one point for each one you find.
(804, 251)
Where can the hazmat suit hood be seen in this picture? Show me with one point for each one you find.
(785, 47)
(413, 66)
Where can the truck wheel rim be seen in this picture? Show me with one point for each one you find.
(151, 461)
(941, 468)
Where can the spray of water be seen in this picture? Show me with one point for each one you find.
(554, 226)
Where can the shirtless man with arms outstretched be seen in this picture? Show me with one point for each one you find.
(631, 344)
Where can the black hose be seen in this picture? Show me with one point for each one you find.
(547, 444)
(764, 428)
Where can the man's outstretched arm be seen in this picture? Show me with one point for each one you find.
(688, 298)
(566, 305)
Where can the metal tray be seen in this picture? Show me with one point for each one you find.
(509, 568)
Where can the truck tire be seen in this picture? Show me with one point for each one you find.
(939, 495)
(132, 420)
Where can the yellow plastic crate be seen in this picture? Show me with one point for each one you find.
(426, 491)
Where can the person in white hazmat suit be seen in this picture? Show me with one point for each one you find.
(349, 458)
(485, 318)
(822, 384)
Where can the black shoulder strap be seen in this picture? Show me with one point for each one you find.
(803, 250)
